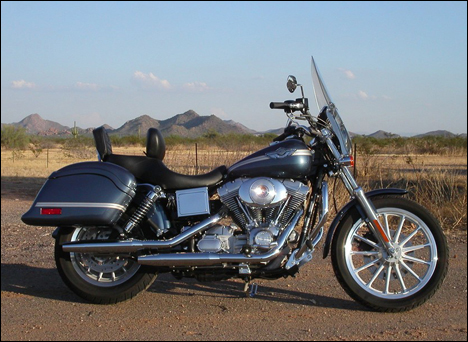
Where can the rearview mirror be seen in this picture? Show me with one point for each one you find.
(291, 84)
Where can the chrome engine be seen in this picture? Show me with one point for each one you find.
(261, 207)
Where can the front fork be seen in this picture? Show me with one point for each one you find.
(371, 218)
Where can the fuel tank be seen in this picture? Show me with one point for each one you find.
(286, 159)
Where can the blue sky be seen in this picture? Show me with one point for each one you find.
(396, 66)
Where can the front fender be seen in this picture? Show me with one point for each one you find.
(351, 204)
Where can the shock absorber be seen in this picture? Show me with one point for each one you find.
(151, 197)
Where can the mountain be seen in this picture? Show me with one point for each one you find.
(440, 133)
(34, 124)
(382, 135)
(241, 126)
(188, 124)
(137, 126)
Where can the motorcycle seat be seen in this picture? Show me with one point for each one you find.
(150, 168)
(153, 171)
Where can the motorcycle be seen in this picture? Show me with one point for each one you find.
(122, 220)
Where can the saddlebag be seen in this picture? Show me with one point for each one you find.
(88, 193)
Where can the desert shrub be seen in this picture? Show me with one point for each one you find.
(79, 148)
(14, 137)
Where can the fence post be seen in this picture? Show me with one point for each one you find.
(355, 161)
(47, 159)
(196, 158)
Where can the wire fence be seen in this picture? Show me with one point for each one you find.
(437, 181)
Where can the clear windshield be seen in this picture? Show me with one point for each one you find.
(321, 95)
(322, 99)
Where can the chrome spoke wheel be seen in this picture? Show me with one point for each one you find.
(101, 270)
(403, 270)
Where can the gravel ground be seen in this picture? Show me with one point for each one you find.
(36, 305)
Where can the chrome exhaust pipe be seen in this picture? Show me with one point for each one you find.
(210, 259)
(133, 246)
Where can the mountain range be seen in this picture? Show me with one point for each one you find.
(188, 124)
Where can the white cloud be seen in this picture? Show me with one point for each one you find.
(22, 84)
(196, 87)
(87, 86)
(363, 95)
(151, 81)
(348, 74)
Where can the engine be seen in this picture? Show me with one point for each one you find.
(261, 207)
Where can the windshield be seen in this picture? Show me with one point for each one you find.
(323, 99)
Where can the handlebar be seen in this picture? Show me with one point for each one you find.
(288, 105)
(292, 130)
(287, 132)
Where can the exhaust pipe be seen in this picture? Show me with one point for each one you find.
(133, 246)
(210, 259)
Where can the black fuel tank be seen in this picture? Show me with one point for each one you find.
(286, 159)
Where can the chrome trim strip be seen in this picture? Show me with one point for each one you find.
(246, 162)
(80, 205)
(303, 152)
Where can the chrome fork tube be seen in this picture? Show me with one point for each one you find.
(356, 191)
(373, 220)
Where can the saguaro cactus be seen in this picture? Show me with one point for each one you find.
(74, 131)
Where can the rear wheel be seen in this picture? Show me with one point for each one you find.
(403, 278)
(101, 279)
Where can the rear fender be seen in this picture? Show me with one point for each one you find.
(354, 203)
(61, 230)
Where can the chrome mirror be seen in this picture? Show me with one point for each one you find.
(291, 84)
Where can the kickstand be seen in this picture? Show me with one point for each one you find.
(253, 289)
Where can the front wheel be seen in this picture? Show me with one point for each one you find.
(101, 279)
(394, 281)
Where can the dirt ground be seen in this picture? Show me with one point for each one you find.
(36, 304)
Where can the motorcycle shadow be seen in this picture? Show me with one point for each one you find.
(19, 280)
(234, 289)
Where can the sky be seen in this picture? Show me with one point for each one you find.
(400, 67)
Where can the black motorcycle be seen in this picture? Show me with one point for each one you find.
(124, 219)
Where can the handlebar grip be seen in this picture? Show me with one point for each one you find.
(290, 105)
(279, 105)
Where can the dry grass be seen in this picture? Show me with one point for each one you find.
(439, 182)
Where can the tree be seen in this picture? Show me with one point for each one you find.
(14, 137)
(211, 134)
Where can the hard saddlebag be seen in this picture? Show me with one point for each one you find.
(88, 193)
